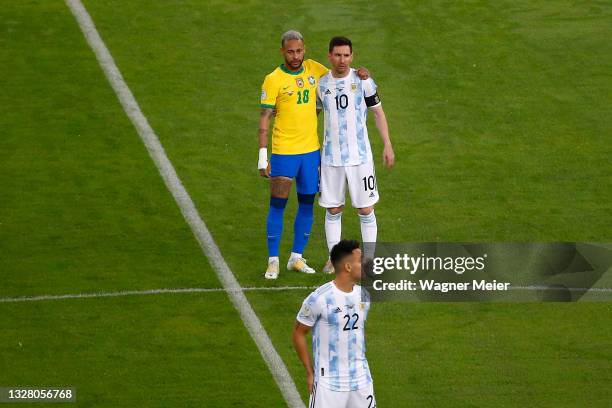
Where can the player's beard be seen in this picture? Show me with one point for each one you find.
(291, 65)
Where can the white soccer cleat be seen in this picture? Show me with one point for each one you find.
(328, 268)
(299, 265)
(272, 271)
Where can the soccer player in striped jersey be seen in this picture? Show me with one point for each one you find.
(336, 312)
(347, 155)
(290, 91)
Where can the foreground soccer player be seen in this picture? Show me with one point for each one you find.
(347, 155)
(337, 312)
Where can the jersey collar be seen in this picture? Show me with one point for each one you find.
(286, 70)
(354, 291)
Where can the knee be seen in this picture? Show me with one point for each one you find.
(305, 205)
(335, 210)
(365, 210)
(278, 203)
(306, 199)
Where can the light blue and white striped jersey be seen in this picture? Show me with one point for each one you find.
(338, 337)
(343, 100)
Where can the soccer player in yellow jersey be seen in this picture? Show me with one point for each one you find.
(289, 94)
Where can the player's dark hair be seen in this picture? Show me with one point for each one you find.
(341, 250)
(337, 41)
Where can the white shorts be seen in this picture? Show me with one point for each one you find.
(361, 183)
(322, 397)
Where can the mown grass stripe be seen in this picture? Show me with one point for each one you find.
(173, 183)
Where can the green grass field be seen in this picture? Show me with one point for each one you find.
(500, 117)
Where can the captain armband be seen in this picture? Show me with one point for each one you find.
(372, 100)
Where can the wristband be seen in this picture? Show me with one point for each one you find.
(262, 164)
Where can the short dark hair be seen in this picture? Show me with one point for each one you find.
(341, 250)
(337, 41)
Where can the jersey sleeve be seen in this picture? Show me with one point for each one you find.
(269, 92)
(318, 69)
(371, 96)
(310, 312)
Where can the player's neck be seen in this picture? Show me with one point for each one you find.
(339, 75)
(287, 68)
(345, 285)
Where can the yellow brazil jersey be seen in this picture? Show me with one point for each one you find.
(294, 96)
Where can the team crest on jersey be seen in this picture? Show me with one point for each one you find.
(263, 94)
(299, 82)
(362, 306)
(311, 80)
(353, 87)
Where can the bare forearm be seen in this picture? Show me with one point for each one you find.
(264, 125)
(301, 348)
(382, 126)
(263, 137)
(263, 132)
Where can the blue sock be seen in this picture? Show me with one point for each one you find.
(275, 224)
(303, 222)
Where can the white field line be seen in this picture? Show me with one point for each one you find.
(555, 288)
(122, 293)
(173, 183)
(245, 289)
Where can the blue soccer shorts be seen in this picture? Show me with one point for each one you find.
(304, 168)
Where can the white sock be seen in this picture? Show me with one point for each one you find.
(369, 231)
(294, 255)
(333, 229)
(272, 259)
